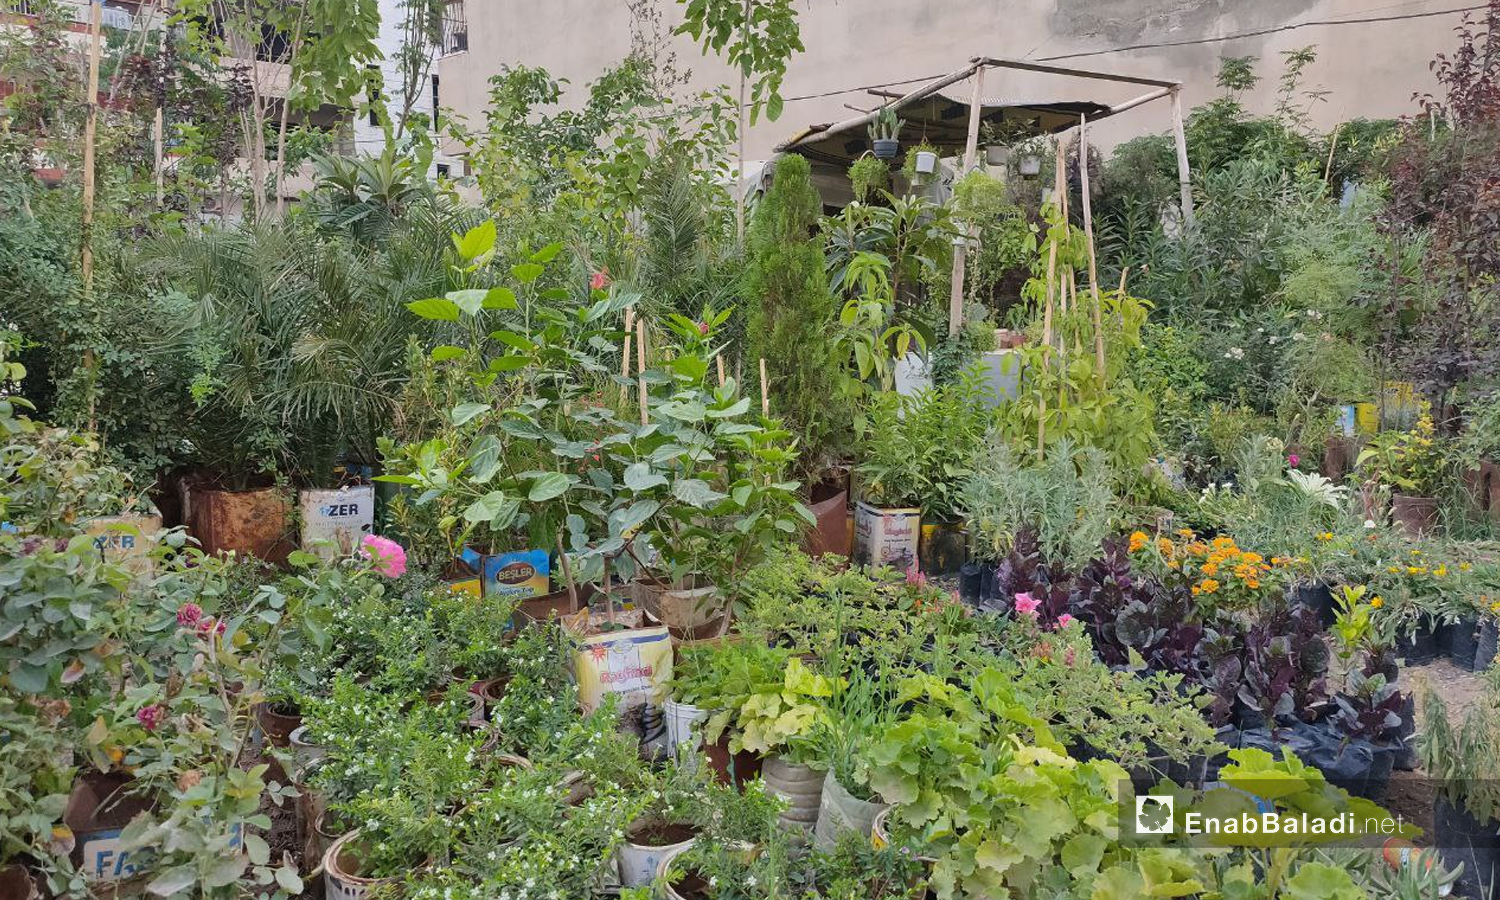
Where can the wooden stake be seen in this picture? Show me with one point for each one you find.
(765, 393)
(1059, 175)
(562, 558)
(719, 361)
(960, 249)
(1088, 234)
(1184, 173)
(625, 356)
(640, 364)
(1333, 144)
(90, 130)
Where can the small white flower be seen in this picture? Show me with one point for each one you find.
(1369, 523)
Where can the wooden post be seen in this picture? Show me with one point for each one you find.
(90, 130)
(625, 356)
(1058, 176)
(961, 247)
(1088, 234)
(765, 391)
(719, 361)
(157, 125)
(739, 181)
(1184, 173)
(640, 364)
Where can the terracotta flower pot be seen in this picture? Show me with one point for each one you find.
(830, 509)
(1418, 516)
(277, 727)
(17, 884)
(740, 767)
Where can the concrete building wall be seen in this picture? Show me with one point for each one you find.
(1369, 69)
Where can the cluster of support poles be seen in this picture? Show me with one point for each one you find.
(976, 70)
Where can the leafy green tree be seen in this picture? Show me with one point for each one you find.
(791, 312)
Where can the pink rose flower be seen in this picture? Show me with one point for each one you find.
(1027, 605)
(599, 281)
(208, 625)
(1064, 620)
(1292, 460)
(188, 615)
(388, 557)
(151, 716)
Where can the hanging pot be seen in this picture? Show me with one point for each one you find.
(647, 843)
(885, 149)
(997, 155)
(800, 786)
(1418, 516)
(840, 811)
(1031, 165)
(926, 162)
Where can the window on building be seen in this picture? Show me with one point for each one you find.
(455, 28)
(372, 78)
(436, 103)
(444, 170)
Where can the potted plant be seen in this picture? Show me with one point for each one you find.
(1461, 761)
(1410, 465)
(740, 852)
(721, 679)
(885, 133)
(33, 796)
(857, 715)
(676, 809)
(867, 176)
(921, 162)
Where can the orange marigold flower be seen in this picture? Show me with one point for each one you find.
(1210, 568)
(1209, 585)
(1138, 539)
(1377, 602)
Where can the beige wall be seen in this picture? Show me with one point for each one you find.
(1369, 70)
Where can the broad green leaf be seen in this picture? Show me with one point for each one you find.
(465, 412)
(477, 241)
(485, 508)
(499, 298)
(446, 352)
(435, 308)
(548, 253)
(469, 301)
(550, 485)
(526, 273)
(639, 477)
(173, 881)
(695, 492)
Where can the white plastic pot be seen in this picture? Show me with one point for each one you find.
(684, 726)
(926, 162)
(1031, 165)
(840, 811)
(639, 863)
(800, 786)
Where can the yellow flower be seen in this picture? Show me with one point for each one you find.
(1394, 570)
(1464, 567)
(1210, 568)
(1185, 532)
(1209, 585)
(1253, 558)
(1377, 602)
(1416, 570)
(1325, 536)
(1441, 571)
